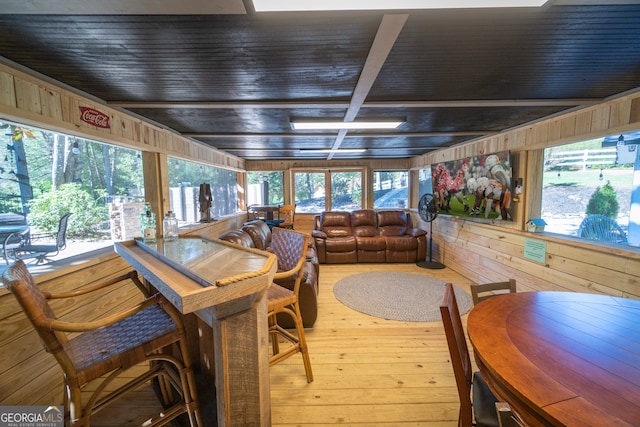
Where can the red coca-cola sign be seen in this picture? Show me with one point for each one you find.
(94, 117)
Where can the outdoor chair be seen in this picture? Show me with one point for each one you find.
(97, 354)
(290, 248)
(482, 407)
(602, 228)
(480, 292)
(287, 214)
(26, 247)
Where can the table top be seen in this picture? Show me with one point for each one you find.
(561, 359)
(196, 273)
(8, 229)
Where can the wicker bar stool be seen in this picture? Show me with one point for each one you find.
(290, 247)
(103, 349)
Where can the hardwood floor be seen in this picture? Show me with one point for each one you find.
(368, 371)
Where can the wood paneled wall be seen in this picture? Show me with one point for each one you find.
(39, 103)
(29, 375)
(491, 251)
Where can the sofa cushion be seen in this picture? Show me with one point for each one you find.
(393, 223)
(363, 223)
(336, 223)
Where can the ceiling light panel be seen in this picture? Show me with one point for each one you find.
(339, 125)
(327, 5)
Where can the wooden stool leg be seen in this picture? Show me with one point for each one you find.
(302, 343)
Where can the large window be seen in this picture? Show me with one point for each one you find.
(45, 175)
(588, 187)
(265, 188)
(311, 196)
(390, 189)
(346, 190)
(185, 179)
(309, 190)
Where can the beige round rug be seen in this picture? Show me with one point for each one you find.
(397, 296)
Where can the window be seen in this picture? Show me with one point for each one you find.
(390, 189)
(184, 184)
(594, 177)
(265, 188)
(346, 191)
(345, 195)
(424, 182)
(309, 190)
(44, 175)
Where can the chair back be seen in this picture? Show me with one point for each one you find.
(602, 228)
(459, 353)
(480, 292)
(33, 301)
(61, 235)
(290, 247)
(287, 214)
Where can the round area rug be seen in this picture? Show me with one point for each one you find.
(397, 296)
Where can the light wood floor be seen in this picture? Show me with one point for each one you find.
(368, 371)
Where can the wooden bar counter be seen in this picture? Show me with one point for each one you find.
(224, 286)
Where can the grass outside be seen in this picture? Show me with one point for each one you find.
(620, 178)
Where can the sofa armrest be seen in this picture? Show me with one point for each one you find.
(415, 232)
(318, 234)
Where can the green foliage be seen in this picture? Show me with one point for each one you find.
(604, 201)
(47, 209)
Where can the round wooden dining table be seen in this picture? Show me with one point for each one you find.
(561, 359)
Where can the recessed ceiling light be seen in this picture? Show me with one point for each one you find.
(340, 125)
(327, 5)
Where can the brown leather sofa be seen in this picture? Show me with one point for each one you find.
(367, 235)
(257, 234)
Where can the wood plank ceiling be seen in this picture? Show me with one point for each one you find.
(221, 74)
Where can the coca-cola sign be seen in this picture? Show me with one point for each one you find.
(94, 117)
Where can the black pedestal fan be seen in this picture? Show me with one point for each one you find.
(428, 212)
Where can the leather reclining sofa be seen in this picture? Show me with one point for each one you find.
(368, 235)
(257, 234)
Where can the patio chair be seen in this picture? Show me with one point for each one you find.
(602, 228)
(97, 355)
(29, 249)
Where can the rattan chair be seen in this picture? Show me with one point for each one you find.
(100, 351)
(480, 292)
(482, 407)
(287, 214)
(290, 248)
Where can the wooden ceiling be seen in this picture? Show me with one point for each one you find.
(221, 74)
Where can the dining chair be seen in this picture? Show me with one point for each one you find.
(480, 292)
(481, 407)
(290, 248)
(287, 214)
(96, 355)
(506, 418)
(28, 248)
